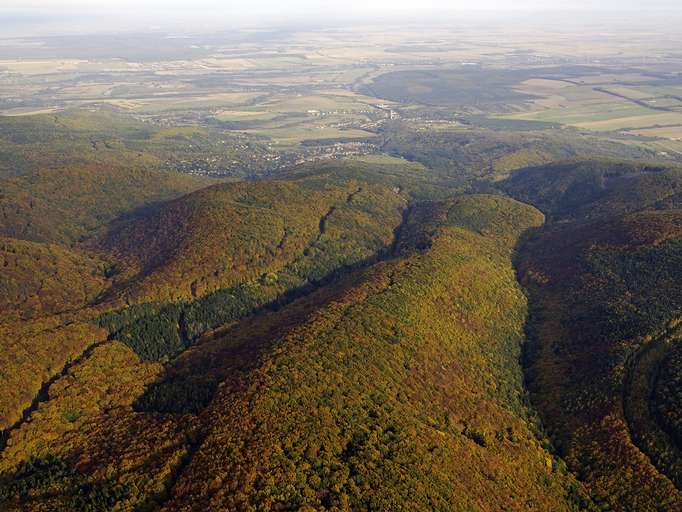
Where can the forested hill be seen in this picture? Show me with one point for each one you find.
(603, 277)
(364, 333)
(396, 387)
(402, 391)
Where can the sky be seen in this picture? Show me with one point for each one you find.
(253, 6)
(19, 18)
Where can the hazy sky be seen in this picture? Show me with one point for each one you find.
(20, 18)
(250, 6)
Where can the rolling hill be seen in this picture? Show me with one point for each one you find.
(43, 279)
(318, 228)
(363, 394)
(71, 204)
(603, 277)
(238, 232)
(366, 333)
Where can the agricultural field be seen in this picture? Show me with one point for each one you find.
(293, 119)
(294, 87)
(629, 105)
(673, 132)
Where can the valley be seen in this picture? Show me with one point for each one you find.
(343, 267)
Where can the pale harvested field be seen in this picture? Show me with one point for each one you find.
(629, 92)
(129, 104)
(542, 85)
(16, 112)
(583, 107)
(668, 132)
(666, 146)
(163, 103)
(186, 131)
(228, 64)
(87, 89)
(297, 134)
(637, 121)
(242, 115)
(388, 160)
(39, 67)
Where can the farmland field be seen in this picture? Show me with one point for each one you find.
(300, 133)
(638, 110)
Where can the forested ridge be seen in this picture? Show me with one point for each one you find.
(451, 331)
(603, 277)
(379, 400)
(376, 330)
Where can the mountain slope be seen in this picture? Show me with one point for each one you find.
(357, 224)
(603, 277)
(397, 387)
(237, 232)
(66, 205)
(401, 394)
(43, 279)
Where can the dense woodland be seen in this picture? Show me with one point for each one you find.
(477, 320)
(603, 277)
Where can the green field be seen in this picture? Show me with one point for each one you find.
(582, 106)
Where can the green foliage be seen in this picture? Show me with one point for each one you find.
(176, 396)
(51, 475)
(411, 178)
(594, 188)
(342, 398)
(222, 307)
(229, 234)
(151, 330)
(467, 153)
(641, 405)
(317, 384)
(78, 138)
(34, 476)
(356, 228)
(477, 436)
(72, 203)
(642, 293)
(450, 87)
(43, 279)
(159, 332)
